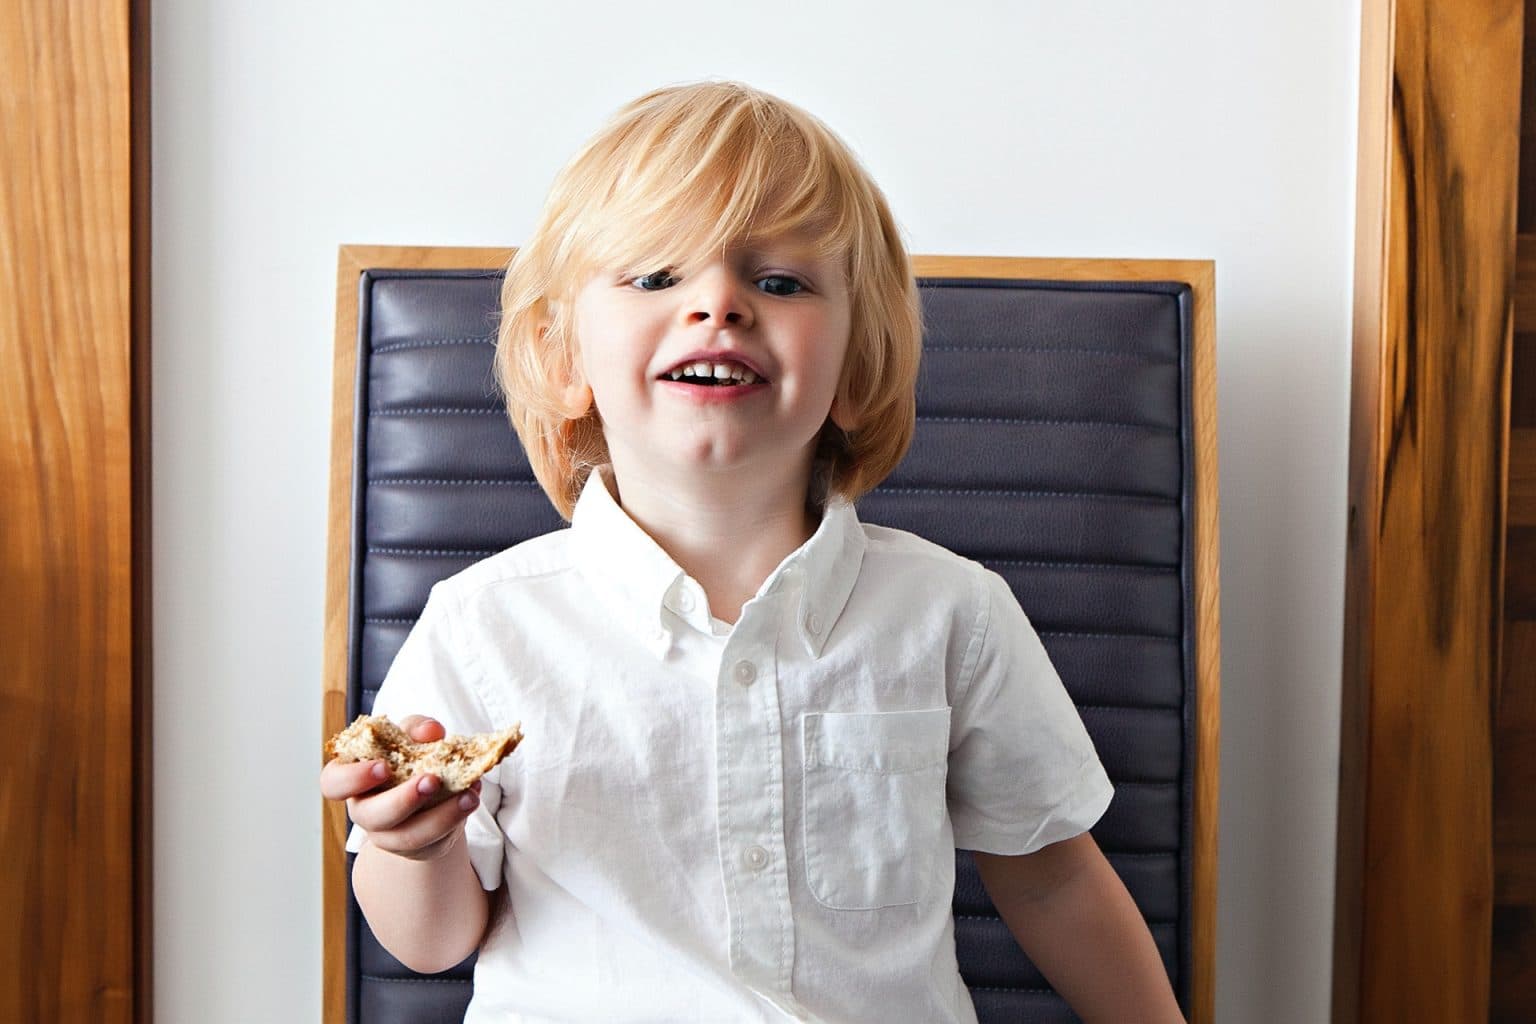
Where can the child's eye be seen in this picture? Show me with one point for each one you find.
(780, 284)
(655, 280)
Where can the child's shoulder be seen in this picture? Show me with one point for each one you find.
(547, 555)
(900, 548)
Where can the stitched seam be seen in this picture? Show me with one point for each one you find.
(415, 481)
(1107, 636)
(432, 552)
(1046, 563)
(988, 492)
(416, 981)
(773, 744)
(999, 920)
(971, 659)
(818, 762)
(385, 620)
(1010, 988)
(439, 410)
(1143, 357)
(1047, 422)
(1140, 854)
(396, 346)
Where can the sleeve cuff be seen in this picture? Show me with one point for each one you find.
(1075, 814)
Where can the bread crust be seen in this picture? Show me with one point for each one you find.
(456, 760)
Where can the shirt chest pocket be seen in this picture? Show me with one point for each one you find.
(874, 805)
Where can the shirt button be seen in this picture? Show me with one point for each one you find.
(813, 624)
(684, 602)
(746, 673)
(755, 858)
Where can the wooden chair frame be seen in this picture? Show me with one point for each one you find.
(1198, 274)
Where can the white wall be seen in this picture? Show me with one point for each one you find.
(1196, 129)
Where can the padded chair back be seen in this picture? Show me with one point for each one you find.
(1065, 438)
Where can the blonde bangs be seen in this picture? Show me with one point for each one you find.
(700, 172)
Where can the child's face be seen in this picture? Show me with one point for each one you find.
(729, 362)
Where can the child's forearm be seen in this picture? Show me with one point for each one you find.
(1072, 915)
(429, 914)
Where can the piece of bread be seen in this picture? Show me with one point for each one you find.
(457, 760)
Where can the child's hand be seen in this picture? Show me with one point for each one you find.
(415, 819)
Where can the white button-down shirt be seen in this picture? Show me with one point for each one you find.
(749, 823)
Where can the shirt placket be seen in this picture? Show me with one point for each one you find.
(749, 751)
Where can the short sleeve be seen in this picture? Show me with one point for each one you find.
(434, 675)
(1023, 772)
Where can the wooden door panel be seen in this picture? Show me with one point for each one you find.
(73, 274)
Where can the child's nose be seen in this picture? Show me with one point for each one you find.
(717, 298)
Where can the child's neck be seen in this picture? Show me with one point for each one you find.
(728, 538)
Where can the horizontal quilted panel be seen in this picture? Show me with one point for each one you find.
(1052, 445)
(1029, 524)
(1134, 671)
(1118, 319)
(428, 309)
(413, 1000)
(1111, 458)
(1062, 387)
(436, 442)
(454, 375)
(441, 512)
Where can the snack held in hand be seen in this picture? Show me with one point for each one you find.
(457, 760)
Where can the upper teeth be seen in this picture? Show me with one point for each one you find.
(719, 371)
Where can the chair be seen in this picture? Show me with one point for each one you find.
(1066, 438)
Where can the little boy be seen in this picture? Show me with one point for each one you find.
(756, 728)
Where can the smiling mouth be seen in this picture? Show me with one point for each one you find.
(706, 374)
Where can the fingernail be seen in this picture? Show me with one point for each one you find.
(467, 802)
(427, 786)
(379, 771)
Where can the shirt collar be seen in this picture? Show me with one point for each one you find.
(829, 565)
(626, 567)
(635, 576)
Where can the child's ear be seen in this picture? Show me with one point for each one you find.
(577, 397)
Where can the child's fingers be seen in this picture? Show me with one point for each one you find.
(422, 832)
(387, 809)
(392, 808)
(342, 781)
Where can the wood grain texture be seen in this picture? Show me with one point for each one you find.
(1434, 275)
(1364, 494)
(1199, 274)
(142, 570)
(73, 880)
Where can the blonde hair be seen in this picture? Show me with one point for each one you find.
(694, 169)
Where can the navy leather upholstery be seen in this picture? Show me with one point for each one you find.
(1053, 444)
